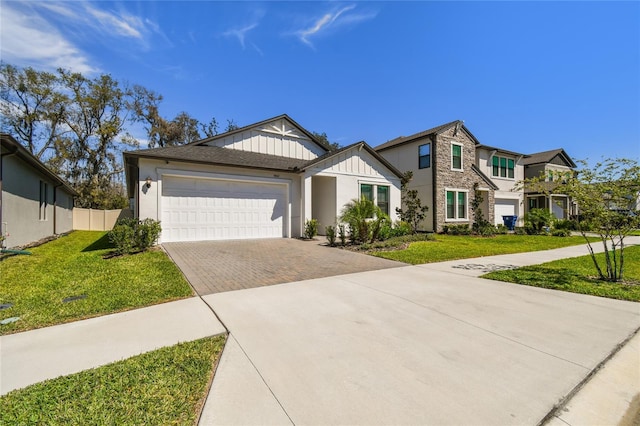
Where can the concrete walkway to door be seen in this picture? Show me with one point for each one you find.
(219, 266)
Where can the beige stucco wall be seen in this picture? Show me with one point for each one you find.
(405, 158)
(21, 222)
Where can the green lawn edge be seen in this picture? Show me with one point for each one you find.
(75, 265)
(167, 386)
(578, 275)
(453, 247)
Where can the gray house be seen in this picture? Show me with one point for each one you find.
(34, 202)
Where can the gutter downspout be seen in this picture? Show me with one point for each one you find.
(434, 179)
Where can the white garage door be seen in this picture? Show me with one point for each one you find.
(209, 209)
(504, 207)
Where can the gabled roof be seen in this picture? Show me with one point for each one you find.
(484, 177)
(206, 154)
(548, 156)
(318, 142)
(504, 151)
(433, 131)
(15, 148)
(359, 145)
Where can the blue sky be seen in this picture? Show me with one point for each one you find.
(524, 76)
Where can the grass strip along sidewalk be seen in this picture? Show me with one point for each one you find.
(69, 279)
(578, 275)
(166, 386)
(453, 247)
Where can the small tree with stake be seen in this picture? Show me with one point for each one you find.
(606, 195)
(413, 212)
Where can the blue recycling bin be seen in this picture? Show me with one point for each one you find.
(510, 222)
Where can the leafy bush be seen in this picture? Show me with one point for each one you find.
(330, 232)
(561, 233)
(147, 233)
(501, 229)
(462, 229)
(567, 224)
(131, 235)
(311, 228)
(123, 237)
(485, 230)
(342, 234)
(537, 221)
(519, 230)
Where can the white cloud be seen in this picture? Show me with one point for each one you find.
(29, 40)
(330, 21)
(240, 33)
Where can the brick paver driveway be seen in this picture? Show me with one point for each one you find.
(217, 266)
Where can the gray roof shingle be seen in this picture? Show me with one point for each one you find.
(547, 156)
(221, 156)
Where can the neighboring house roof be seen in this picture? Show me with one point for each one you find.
(484, 177)
(359, 145)
(310, 135)
(433, 131)
(206, 154)
(504, 151)
(14, 147)
(548, 156)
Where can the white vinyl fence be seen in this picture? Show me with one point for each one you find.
(97, 220)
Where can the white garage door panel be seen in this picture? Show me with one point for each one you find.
(208, 209)
(504, 207)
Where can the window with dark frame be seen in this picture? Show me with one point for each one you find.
(456, 157)
(503, 167)
(424, 156)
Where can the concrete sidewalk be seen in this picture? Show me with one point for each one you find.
(427, 344)
(415, 344)
(34, 356)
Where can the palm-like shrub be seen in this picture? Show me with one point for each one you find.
(365, 219)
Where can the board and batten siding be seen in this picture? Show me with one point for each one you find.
(279, 138)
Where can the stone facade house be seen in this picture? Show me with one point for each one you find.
(449, 164)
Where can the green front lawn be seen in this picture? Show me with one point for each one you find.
(578, 275)
(166, 386)
(72, 266)
(452, 247)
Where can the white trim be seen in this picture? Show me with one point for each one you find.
(455, 206)
(461, 169)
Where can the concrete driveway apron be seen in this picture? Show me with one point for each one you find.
(410, 345)
(218, 266)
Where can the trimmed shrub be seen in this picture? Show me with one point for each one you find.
(330, 232)
(561, 233)
(311, 229)
(538, 221)
(342, 234)
(131, 235)
(501, 229)
(462, 229)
